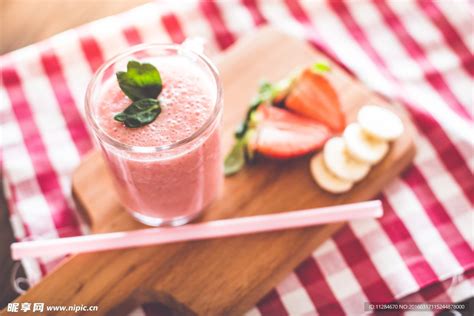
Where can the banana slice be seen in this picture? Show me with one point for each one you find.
(362, 146)
(340, 163)
(325, 179)
(380, 122)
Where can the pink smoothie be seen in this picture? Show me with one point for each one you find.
(176, 183)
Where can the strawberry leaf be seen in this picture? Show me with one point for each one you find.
(321, 67)
(235, 159)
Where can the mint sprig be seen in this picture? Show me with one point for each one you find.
(140, 81)
(142, 84)
(139, 113)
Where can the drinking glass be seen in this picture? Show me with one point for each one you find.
(170, 184)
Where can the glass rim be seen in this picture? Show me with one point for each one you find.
(103, 136)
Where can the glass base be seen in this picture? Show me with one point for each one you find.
(156, 221)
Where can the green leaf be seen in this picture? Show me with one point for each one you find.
(321, 67)
(235, 160)
(140, 81)
(241, 130)
(139, 113)
(266, 91)
(120, 117)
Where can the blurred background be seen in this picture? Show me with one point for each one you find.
(25, 22)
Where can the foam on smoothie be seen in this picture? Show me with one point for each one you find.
(187, 100)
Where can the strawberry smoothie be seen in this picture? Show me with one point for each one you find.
(168, 171)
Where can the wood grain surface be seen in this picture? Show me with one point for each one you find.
(222, 276)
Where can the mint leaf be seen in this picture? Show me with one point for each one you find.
(140, 81)
(142, 84)
(139, 113)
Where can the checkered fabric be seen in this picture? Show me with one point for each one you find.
(417, 53)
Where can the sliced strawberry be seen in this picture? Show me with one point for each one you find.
(313, 96)
(282, 134)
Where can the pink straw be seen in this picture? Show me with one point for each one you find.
(206, 230)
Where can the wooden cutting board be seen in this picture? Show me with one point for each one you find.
(222, 276)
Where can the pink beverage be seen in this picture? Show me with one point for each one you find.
(168, 171)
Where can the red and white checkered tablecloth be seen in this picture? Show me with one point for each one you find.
(419, 53)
